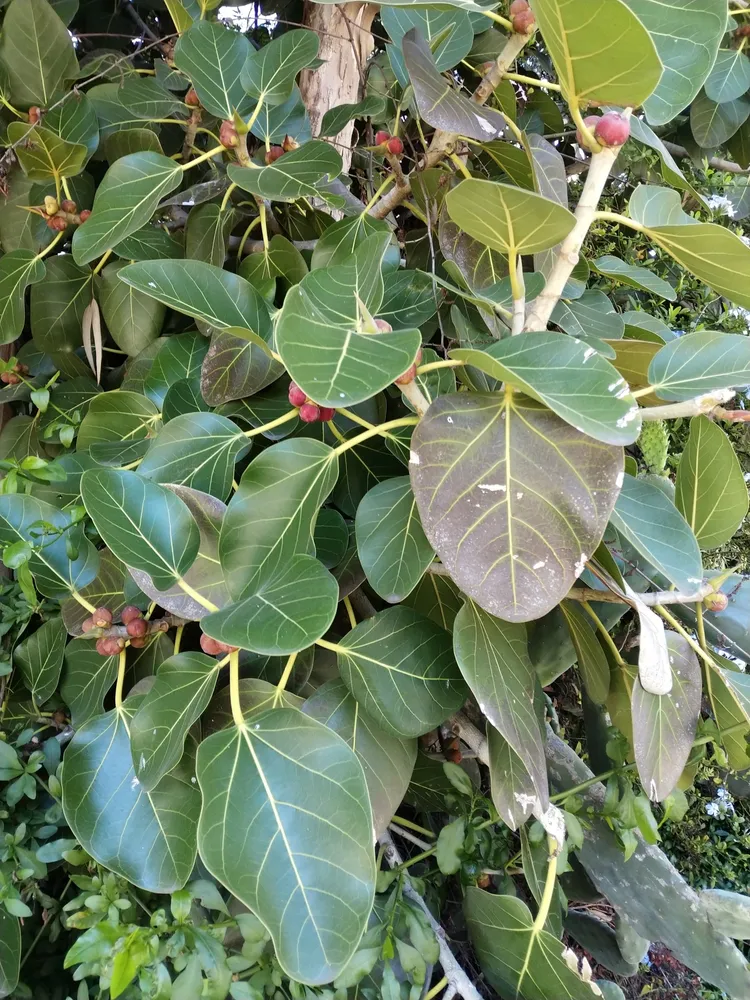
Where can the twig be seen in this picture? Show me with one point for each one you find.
(708, 404)
(458, 980)
(417, 841)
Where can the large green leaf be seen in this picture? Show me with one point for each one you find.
(213, 56)
(133, 319)
(272, 516)
(573, 380)
(592, 663)
(145, 97)
(439, 104)
(125, 201)
(58, 303)
(10, 952)
(298, 174)
(648, 519)
(106, 590)
(400, 668)
(506, 218)
(686, 34)
(436, 597)
(207, 233)
(711, 492)
(147, 837)
(87, 677)
(205, 576)
(513, 500)
(517, 957)
(494, 661)
(712, 124)
(511, 786)
(56, 574)
(388, 761)
(18, 270)
(37, 53)
(216, 297)
(730, 76)
(699, 363)
(292, 842)
(601, 53)
(269, 72)
(180, 358)
(197, 450)
(40, 659)
(287, 612)
(115, 417)
(664, 725)
(235, 367)
(182, 689)
(43, 155)
(144, 524)
(391, 544)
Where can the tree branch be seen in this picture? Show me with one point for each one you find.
(458, 980)
(710, 404)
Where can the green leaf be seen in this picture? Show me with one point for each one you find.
(671, 172)
(218, 298)
(494, 661)
(350, 364)
(439, 104)
(75, 121)
(634, 277)
(712, 253)
(699, 363)
(400, 668)
(58, 303)
(180, 358)
(145, 98)
(664, 725)
(117, 417)
(729, 694)
(213, 56)
(573, 380)
(297, 174)
(288, 611)
(205, 575)
(518, 958)
(18, 270)
(291, 842)
(592, 661)
(495, 498)
(133, 319)
(125, 200)
(450, 846)
(269, 72)
(392, 546)
(436, 597)
(197, 450)
(711, 492)
(207, 233)
(712, 124)
(388, 761)
(56, 574)
(511, 786)
(335, 119)
(87, 677)
(10, 952)
(290, 479)
(144, 524)
(235, 367)
(342, 238)
(104, 591)
(43, 155)
(40, 659)
(729, 912)
(37, 53)
(649, 520)
(449, 33)
(507, 218)
(181, 691)
(730, 76)
(147, 837)
(148, 243)
(625, 70)
(687, 37)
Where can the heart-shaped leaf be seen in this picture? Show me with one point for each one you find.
(507, 218)
(711, 492)
(392, 546)
(268, 73)
(494, 661)
(514, 501)
(649, 520)
(700, 363)
(290, 609)
(147, 837)
(212, 55)
(144, 524)
(293, 843)
(181, 691)
(298, 174)
(125, 201)
(40, 659)
(388, 761)
(400, 668)
(573, 380)
(664, 725)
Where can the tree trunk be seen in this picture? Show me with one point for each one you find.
(345, 44)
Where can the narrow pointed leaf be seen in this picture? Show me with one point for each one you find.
(291, 842)
(592, 662)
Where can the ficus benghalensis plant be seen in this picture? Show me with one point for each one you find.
(334, 440)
